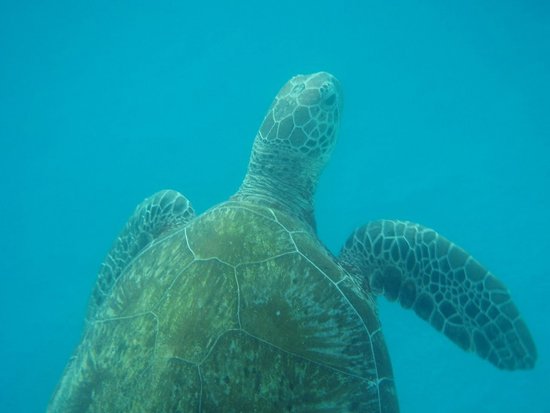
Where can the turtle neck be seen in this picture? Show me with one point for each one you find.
(277, 181)
(293, 145)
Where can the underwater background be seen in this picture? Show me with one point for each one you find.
(446, 123)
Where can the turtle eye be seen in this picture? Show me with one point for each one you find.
(329, 97)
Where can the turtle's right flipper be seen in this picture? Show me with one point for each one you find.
(444, 285)
(153, 218)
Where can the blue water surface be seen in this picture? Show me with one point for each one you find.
(446, 123)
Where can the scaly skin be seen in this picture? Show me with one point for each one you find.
(242, 309)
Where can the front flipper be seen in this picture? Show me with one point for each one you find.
(444, 285)
(154, 217)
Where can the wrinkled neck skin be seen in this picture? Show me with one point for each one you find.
(280, 183)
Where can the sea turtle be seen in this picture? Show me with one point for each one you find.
(242, 308)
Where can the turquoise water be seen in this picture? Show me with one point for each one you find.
(446, 122)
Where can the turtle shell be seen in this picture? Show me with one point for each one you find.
(244, 310)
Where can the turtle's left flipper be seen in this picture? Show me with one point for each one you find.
(444, 285)
(154, 217)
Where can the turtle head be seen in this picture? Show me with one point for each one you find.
(293, 145)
